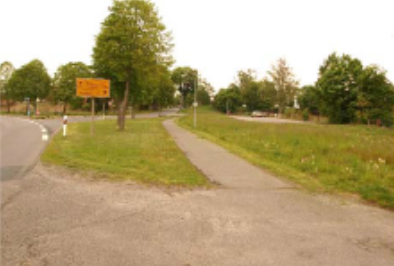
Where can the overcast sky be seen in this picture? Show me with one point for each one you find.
(218, 37)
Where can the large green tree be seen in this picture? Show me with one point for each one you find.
(6, 70)
(375, 98)
(64, 82)
(30, 81)
(338, 86)
(285, 84)
(131, 43)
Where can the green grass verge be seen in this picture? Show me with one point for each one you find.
(144, 152)
(331, 158)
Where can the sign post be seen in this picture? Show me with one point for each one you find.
(92, 127)
(93, 88)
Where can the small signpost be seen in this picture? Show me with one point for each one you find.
(93, 88)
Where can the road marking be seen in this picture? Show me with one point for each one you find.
(44, 131)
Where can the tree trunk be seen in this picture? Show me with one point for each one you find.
(119, 106)
(182, 100)
(124, 107)
(64, 107)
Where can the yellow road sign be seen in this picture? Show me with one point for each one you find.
(96, 88)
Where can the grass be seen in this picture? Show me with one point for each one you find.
(144, 153)
(351, 159)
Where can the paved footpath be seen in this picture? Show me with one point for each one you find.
(286, 226)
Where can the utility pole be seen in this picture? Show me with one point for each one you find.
(195, 99)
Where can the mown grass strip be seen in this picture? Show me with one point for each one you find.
(144, 153)
(331, 158)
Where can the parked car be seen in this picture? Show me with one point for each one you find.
(259, 114)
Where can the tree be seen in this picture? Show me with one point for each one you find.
(165, 89)
(203, 96)
(251, 96)
(285, 84)
(338, 86)
(204, 93)
(185, 80)
(132, 42)
(245, 78)
(375, 98)
(30, 81)
(228, 99)
(309, 99)
(65, 82)
(6, 70)
(267, 95)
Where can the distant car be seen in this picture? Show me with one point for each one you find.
(259, 114)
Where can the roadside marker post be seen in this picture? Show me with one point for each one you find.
(64, 126)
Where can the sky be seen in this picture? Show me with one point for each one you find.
(217, 37)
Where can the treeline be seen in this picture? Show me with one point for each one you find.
(273, 94)
(345, 92)
(132, 50)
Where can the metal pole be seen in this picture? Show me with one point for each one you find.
(103, 108)
(92, 124)
(195, 100)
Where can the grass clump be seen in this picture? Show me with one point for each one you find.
(333, 158)
(144, 152)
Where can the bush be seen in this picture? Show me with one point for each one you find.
(305, 115)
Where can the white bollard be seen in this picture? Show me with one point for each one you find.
(64, 126)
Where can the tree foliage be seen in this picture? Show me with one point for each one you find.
(338, 85)
(31, 80)
(6, 70)
(267, 95)
(64, 83)
(285, 84)
(228, 99)
(349, 92)
(375, 98)
(132, 43)
(309, 99)
(164, 93)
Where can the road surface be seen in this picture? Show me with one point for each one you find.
(272, 120)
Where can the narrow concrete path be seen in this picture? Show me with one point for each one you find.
(219, 165)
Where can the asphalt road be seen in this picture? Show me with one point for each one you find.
(22, 141)
(21, 144)
(272, 120)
